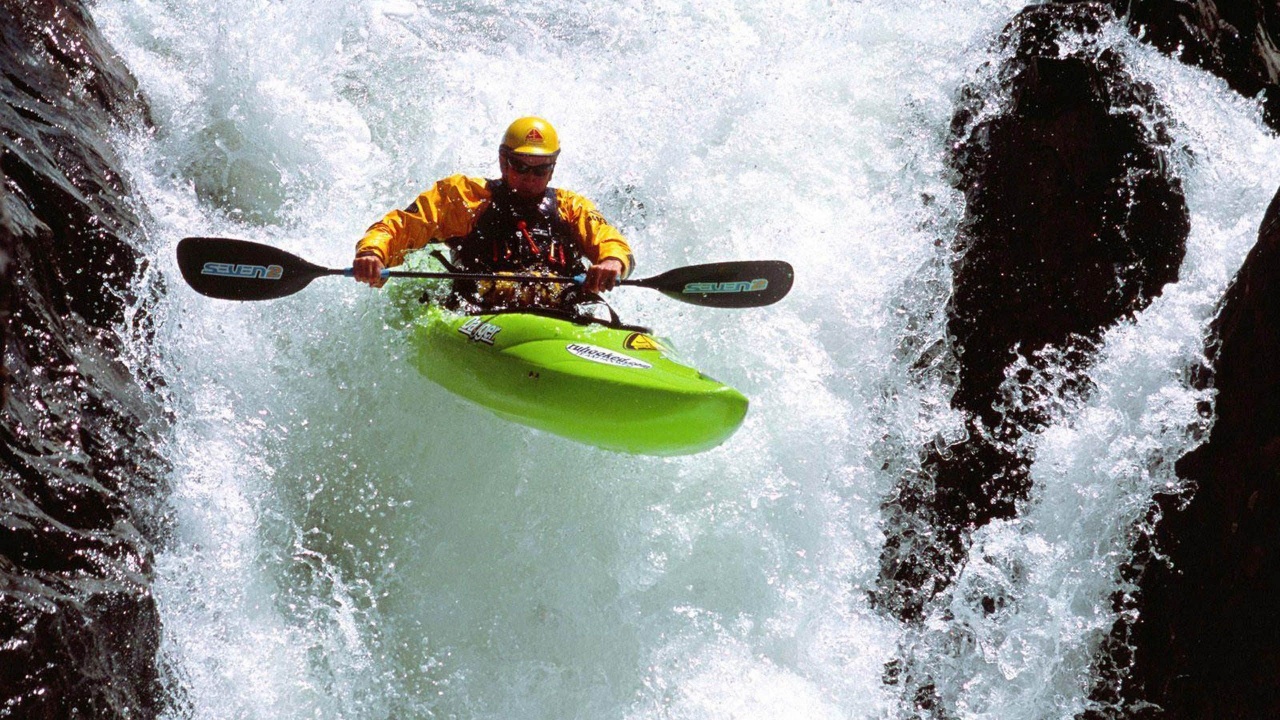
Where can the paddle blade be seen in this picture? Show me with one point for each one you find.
(737, 284)
(231, 269)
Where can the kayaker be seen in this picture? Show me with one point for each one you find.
(513, 224)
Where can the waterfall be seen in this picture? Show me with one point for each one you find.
(350, 541)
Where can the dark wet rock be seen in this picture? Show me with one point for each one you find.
(1206, 641)
(78, 470)
(1074, 221)
(1236, 40)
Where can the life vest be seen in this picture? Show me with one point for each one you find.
(514, 234)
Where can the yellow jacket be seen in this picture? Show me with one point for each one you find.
(450, 209)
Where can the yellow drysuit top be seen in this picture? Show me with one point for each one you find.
(449, 210)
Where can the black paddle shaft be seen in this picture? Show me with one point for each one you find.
(231, 269)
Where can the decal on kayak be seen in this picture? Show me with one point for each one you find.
(479, 330)
(603, 356)
(711, 288)
(640, 341)
(260, 272)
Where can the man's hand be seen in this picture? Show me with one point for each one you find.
(603, 276)
(368, 269)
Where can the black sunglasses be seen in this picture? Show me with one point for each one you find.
(522, 168)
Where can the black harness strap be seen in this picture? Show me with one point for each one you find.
(514, 234)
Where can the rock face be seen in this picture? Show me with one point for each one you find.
(1073, 222)
(1206, 643)
(78, 473)
(1233, 39)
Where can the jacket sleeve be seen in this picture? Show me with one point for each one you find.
(599, 239)
(445, 210)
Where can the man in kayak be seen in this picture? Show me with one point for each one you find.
(513, 224)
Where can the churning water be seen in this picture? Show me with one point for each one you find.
(353, 542)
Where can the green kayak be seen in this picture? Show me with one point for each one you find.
(603, 384)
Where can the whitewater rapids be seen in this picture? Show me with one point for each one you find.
(350, 541)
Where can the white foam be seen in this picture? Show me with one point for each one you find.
(351, 541)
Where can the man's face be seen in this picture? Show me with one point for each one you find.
(526, 175)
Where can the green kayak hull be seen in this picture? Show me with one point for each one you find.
(611, 387)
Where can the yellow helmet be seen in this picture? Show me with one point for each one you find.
(531, 136)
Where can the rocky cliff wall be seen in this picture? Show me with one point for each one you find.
(81, 487)
(1233, 39)
(1201, 639)
(79, 476)
(1073, 222)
